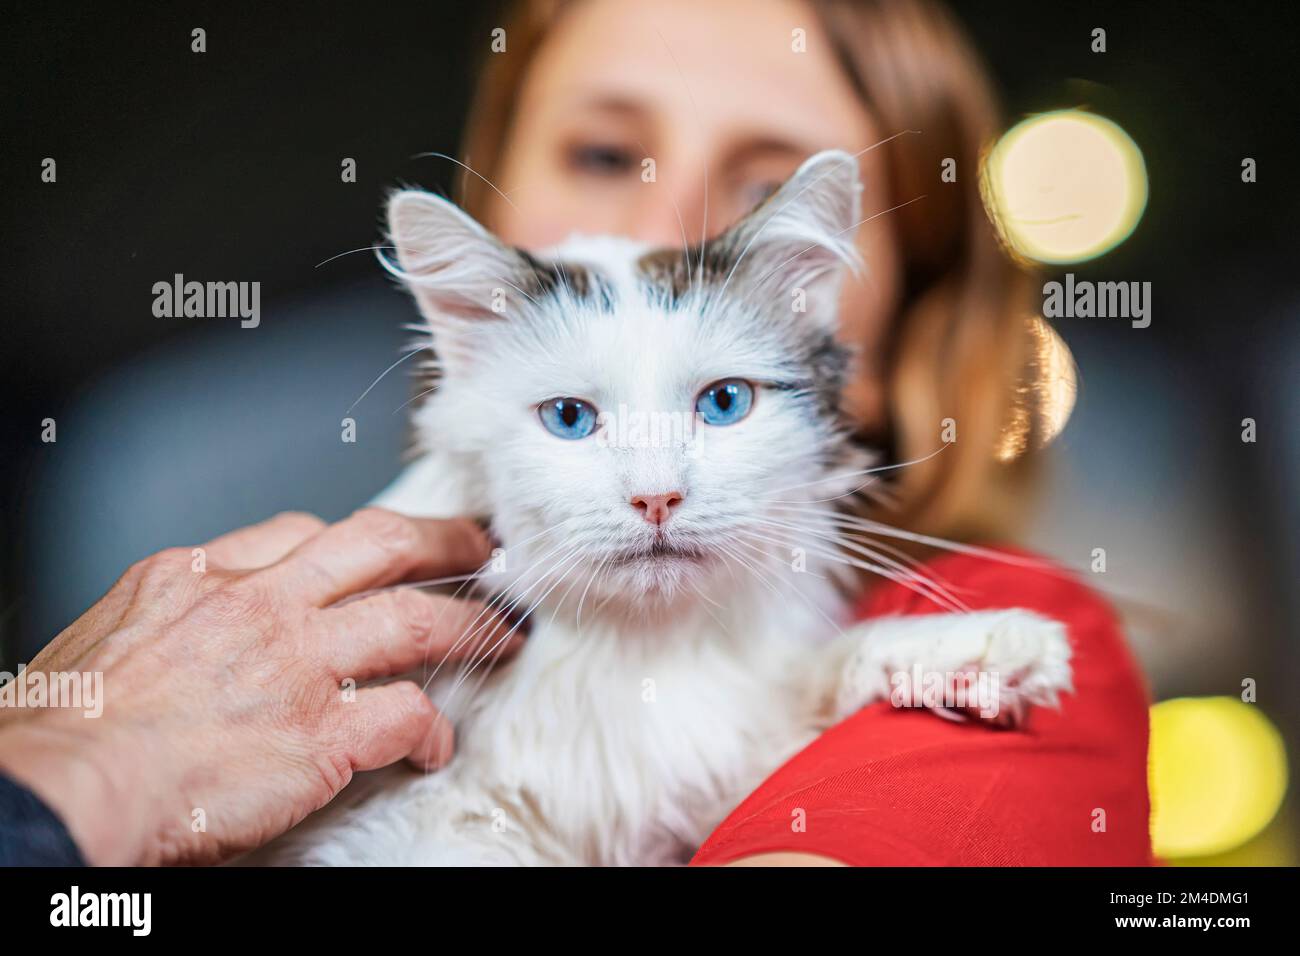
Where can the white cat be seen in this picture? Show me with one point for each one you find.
(655, 436)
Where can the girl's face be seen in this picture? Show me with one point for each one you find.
(667, 122)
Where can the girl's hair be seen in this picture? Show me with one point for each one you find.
(965, 344)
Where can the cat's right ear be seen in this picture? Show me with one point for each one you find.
(802, 236)
(454, 267)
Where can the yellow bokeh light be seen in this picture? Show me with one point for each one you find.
(1045, 397)
(1065, 186)
(1217, 773)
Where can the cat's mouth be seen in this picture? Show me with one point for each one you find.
(658, 552)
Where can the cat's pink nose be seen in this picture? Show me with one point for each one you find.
(657, 508)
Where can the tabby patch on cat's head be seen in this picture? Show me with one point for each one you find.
(541, 357)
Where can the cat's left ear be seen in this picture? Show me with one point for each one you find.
(453, 266)
(797, 245)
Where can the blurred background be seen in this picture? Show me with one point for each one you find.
(226, 165)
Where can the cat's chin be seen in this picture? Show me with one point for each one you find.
(659, 581)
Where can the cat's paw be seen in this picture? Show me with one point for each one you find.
(989, 665)
(1026, 663)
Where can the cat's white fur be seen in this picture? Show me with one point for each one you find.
(652, 694)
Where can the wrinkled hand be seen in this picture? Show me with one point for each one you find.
(226, 688)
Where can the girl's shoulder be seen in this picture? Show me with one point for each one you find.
(904, 787)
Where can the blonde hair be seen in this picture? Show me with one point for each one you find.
(962, 345)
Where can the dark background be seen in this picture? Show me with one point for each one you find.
(225, 166)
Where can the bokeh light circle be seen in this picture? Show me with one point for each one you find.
(1065, 186)
(1046, 396)
(1217, 773)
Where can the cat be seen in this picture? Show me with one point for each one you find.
(686, 586)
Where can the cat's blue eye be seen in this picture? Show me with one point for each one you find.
(725, 402)
(570, 418)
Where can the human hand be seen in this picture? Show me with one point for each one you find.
(224, 684)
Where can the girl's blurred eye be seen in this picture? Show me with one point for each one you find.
(601, 159)
(569, 418)
(725, 402)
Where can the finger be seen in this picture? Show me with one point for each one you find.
(266, 543)
(397, 721)
(375, 547)
(399, 630)
(436, 747)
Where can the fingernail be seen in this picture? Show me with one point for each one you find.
(438, 749)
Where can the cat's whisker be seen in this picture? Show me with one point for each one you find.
(514, 628)
(797, 591)
(600, 569)
(352, 252)
(817, 501)
(547, 530)
(451, 579)
(494, 606)
(751, 533)
(875, 469)
(686, 247)
(902, 578)
(875, 527)
(912, 561)
(704, 607)
(415, 398)
(884, 495)
(875, 563)
(412, 350)
(484, 616)
(696, 587)
(869, 489)
(882, 565)
(746, 566)
(559, 605)
(751, 568)
(465, 667)
(468, 169)
(841, 536)
(493, 603)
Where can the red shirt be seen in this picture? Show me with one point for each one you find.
(905, 787)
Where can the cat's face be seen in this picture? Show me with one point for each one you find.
(642, 426)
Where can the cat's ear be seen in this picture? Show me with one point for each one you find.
(796, 246)
(454, 267)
